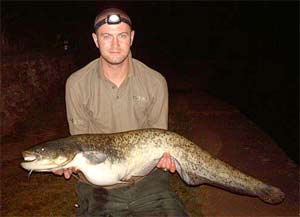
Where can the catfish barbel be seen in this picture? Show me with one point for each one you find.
(109, 159)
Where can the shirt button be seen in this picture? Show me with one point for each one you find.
(117, 97)
(113, 87)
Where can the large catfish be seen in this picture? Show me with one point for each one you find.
(108, 159)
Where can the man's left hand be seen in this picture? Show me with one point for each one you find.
(166, 162)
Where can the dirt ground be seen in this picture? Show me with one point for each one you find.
(209, 122)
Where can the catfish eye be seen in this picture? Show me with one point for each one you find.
(41, 150)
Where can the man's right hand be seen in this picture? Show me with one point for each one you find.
(67, 172)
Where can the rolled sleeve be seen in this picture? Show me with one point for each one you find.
(158, 113)
(76, 115)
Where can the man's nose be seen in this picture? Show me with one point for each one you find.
(115, 42)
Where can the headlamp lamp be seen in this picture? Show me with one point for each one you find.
(112, 19)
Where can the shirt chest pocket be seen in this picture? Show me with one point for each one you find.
(140, 106)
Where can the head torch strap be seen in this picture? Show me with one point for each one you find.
(124, 20)
(107, 20)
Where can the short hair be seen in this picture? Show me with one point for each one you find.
(109, 11)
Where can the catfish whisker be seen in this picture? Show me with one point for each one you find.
(30, 172)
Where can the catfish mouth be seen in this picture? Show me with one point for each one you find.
(29, 156)
(36, 162)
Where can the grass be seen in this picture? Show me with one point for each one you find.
(39, 195)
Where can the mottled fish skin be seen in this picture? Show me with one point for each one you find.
(137, 152)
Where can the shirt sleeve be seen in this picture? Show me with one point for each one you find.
(77, 117)
(158, 112)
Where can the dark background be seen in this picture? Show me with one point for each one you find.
(246, 53)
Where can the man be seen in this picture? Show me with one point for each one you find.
(118, 93)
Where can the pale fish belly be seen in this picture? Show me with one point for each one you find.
(103, 174)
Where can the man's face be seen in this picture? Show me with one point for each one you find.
(114, 42)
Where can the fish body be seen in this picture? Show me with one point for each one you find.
(108, 159)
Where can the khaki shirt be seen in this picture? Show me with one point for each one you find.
(96, 105)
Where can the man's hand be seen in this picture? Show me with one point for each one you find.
(67, 172)
(166, 162)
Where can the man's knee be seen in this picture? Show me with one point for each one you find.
(90, 199)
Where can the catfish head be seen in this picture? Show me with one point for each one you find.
(50, 155)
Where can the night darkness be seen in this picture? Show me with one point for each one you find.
(250, 50)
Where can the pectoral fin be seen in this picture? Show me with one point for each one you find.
(94, 157)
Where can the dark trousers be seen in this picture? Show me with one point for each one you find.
(151, 196)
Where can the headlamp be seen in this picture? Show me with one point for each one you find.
(112, 19)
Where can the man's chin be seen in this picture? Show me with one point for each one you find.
(115, 61)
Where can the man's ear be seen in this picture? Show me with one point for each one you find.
(95, 39)
(132, 37)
